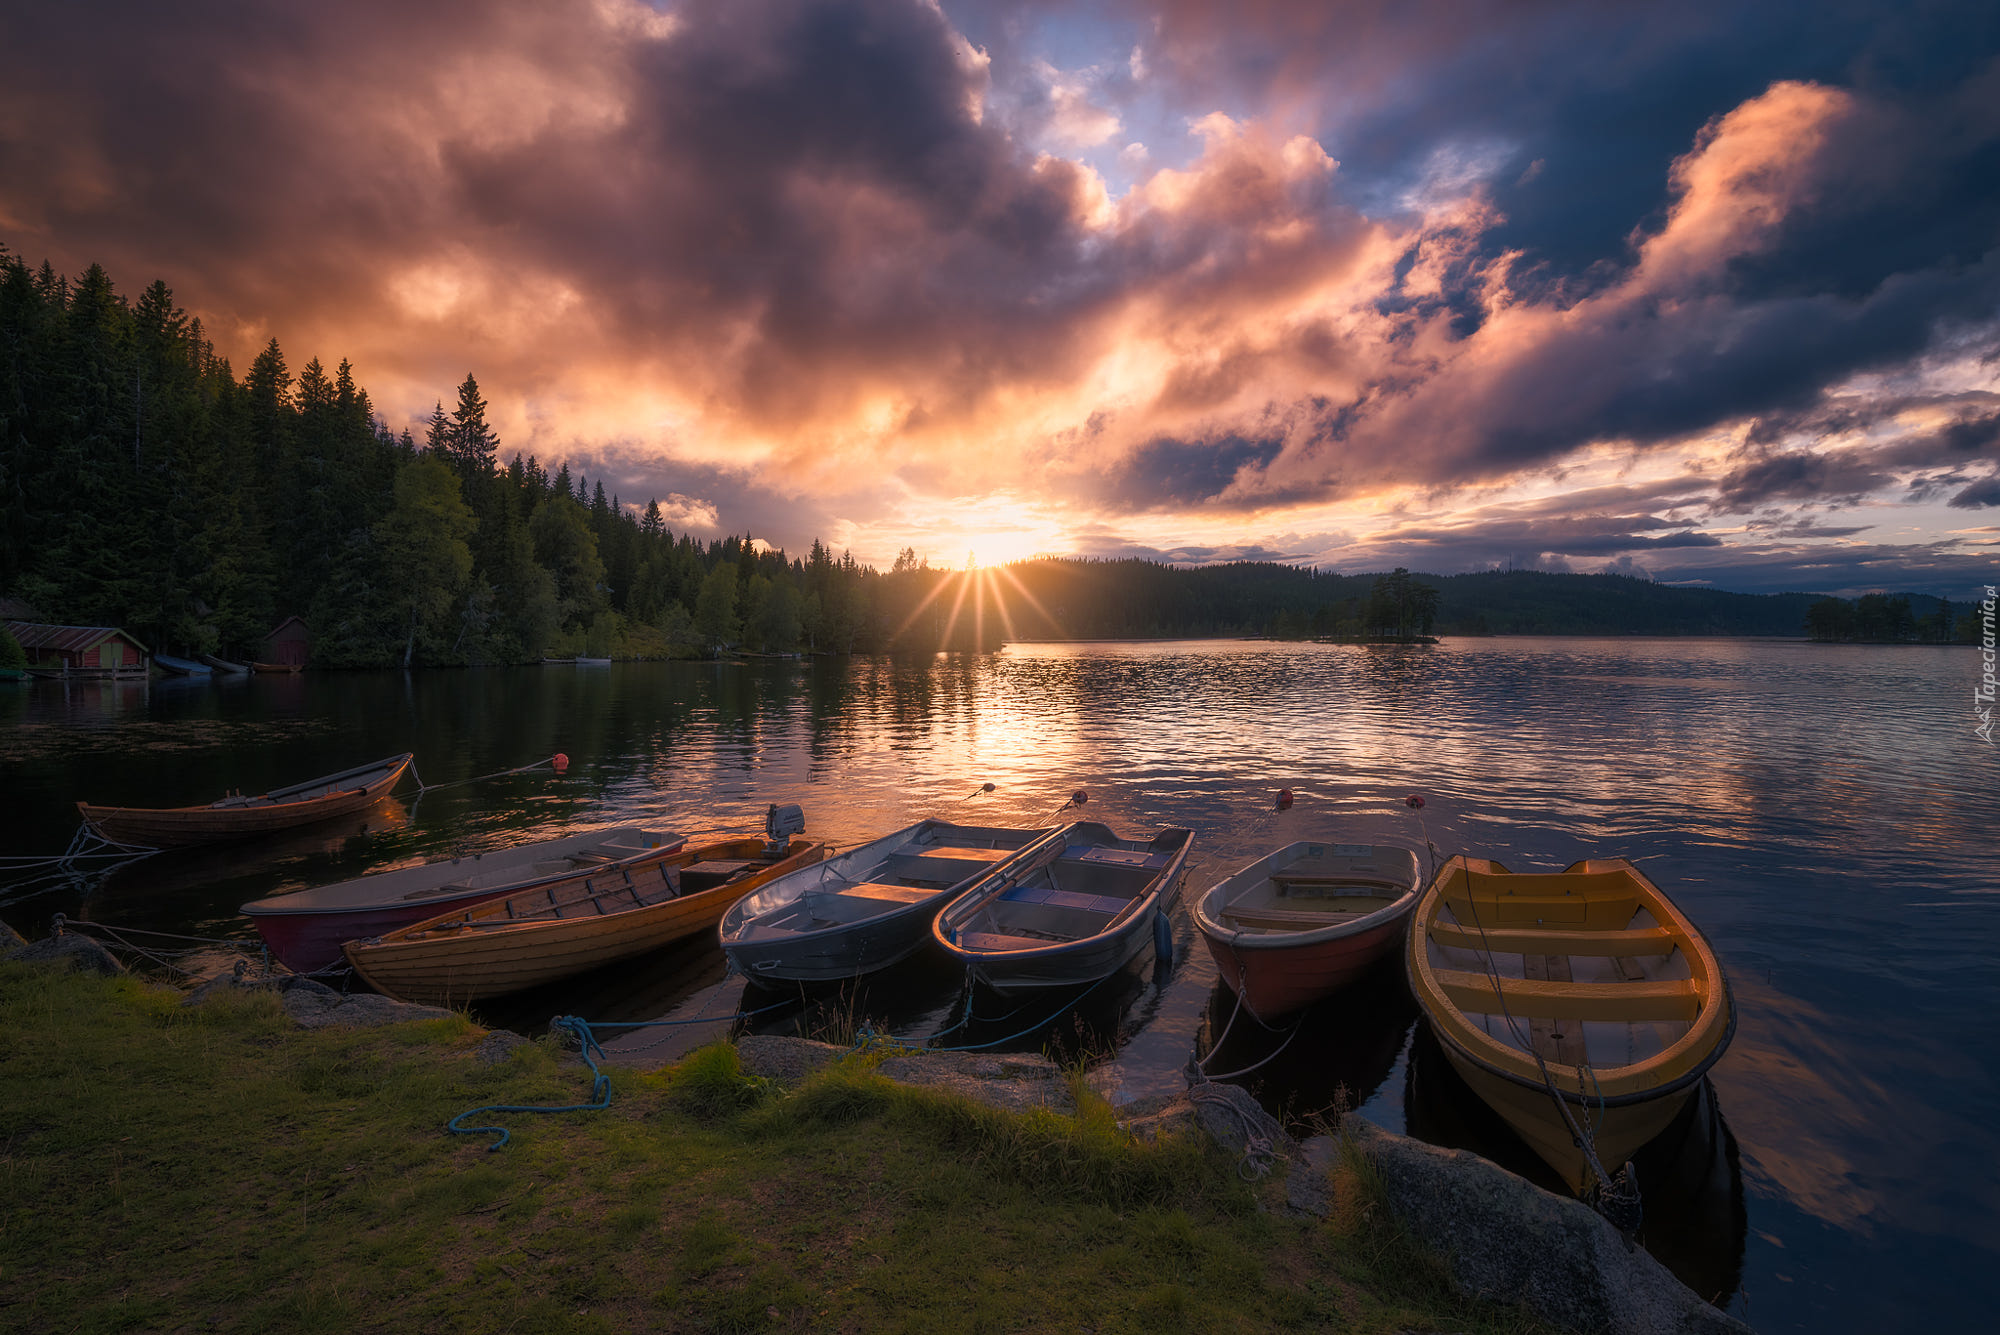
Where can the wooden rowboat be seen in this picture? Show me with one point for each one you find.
(1582, 999)
(306, 928)
(1068, 911)
(538, 936)
(1294, 926)
(239, 817)
(866, 908)
(276, 667)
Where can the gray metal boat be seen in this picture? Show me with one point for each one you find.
(1070, 911)
(867, 908)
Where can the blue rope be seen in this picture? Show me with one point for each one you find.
(600, 1085)
(600, 1089)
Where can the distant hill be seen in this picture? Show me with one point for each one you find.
(1111, 599)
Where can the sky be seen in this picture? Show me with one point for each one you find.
(1707, 292)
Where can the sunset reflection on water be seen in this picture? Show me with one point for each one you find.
(1823, 812)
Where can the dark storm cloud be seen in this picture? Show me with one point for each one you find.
(1984, 492)
(1803, 475)
(1173, 474)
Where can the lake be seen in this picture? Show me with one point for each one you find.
(1826, 813)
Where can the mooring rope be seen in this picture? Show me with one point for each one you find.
(550, 761)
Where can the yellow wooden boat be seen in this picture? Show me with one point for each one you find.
(539, 936)
(1580, 1005)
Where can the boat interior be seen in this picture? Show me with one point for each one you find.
(1586, 973)
(1323, 888)
(624, 887)
(880, 879)
(300, 792)
(1072, 893)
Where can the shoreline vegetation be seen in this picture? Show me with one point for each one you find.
(215, 1167)
(145, 486)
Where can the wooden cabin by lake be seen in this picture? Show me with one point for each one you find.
(286, 646)
(79, 651)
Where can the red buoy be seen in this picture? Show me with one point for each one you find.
(1078, 798)
(1284, 799)
(560, 761)
(1413, 801)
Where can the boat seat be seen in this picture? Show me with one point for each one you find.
(1555, 940)
(993, 943)
(955, 853)
(1292, 920)
(1316, 886)
(882, 890)
(1117, 857)
(1672, 999)
(1066, 899)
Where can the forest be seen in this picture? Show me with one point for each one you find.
(143, 484)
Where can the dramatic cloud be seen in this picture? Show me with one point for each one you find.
(1446, 284)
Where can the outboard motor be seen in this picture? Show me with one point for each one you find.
(781, 823)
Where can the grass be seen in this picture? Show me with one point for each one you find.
(172, 1169)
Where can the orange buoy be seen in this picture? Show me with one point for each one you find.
(560, 761)
(1284, 799)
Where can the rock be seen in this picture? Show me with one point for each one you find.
(1238, 1123)
(9, 939)
(79, 952)
(784, 1059)
(1015, 1082)
(498, 1046)
(1307, 1184)
(358, 1010)
(1152, 1119)
(1505, 1239)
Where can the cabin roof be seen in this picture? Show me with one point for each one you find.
(66, 639)
(287, 623)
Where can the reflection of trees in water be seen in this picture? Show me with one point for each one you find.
(1338, 1051)
(1690, 1177)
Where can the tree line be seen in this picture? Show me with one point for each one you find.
(145, 485)
(1878, 618)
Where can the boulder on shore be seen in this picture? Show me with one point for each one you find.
(79, 952)
(314, 1005)
(1504, 1239)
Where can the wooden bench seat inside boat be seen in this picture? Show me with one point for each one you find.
(1109, 905)
(1260, 917)
(1315, 887)
(882, 890)
(1555, 940)
(1670, 999)
(995, 942)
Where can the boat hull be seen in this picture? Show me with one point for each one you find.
(1106, 902)
(306, 929)
(172, 827)
(481, 957)
(1307, 919)
(866, 909)
(1275, 980)
(1582, 997)
(1617, 1132)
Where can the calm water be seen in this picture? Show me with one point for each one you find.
(1826, 814)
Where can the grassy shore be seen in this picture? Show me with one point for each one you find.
(215, 1168)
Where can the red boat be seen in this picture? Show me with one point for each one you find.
(239, 817)
(306, 929)
(1295, 926)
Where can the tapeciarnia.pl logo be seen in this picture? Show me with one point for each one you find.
(1982, 694)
